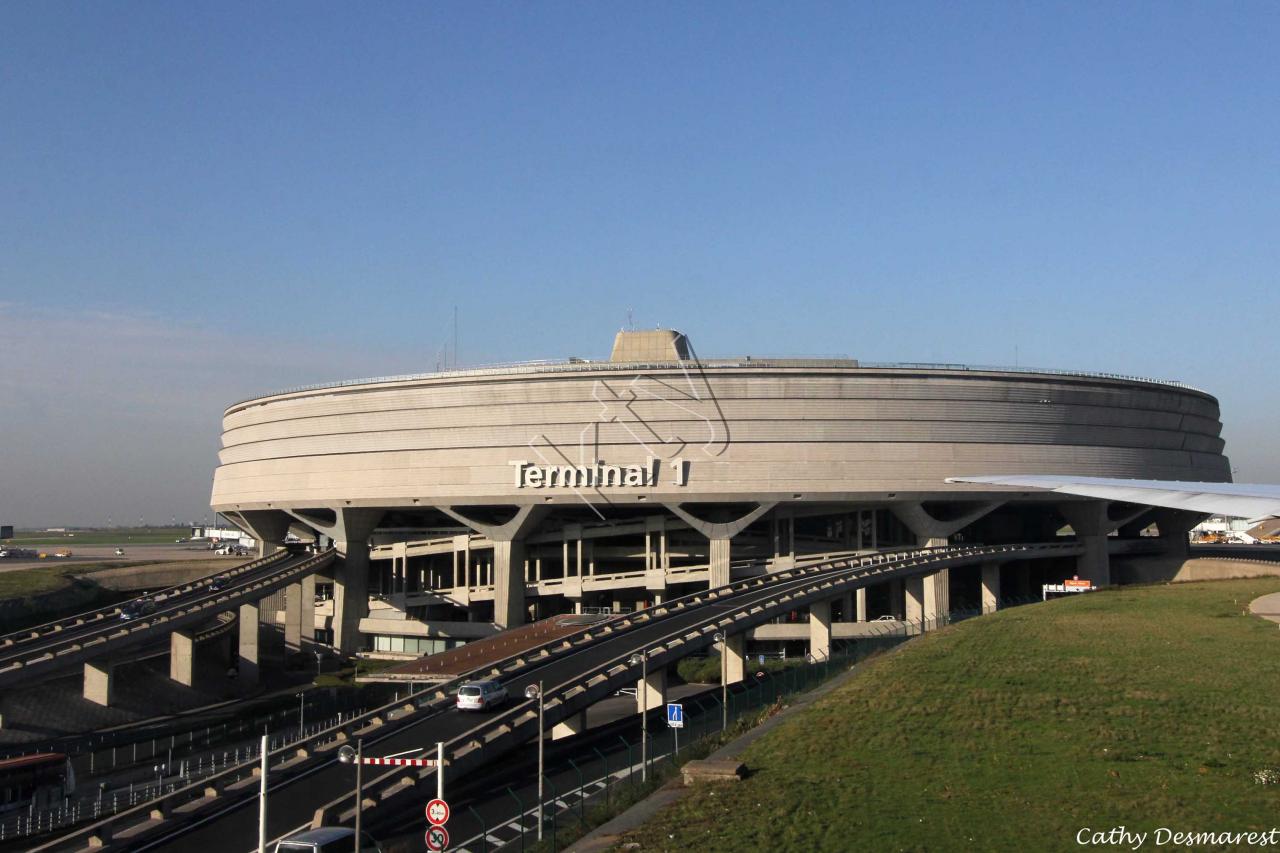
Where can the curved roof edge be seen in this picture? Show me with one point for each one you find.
(581, 365)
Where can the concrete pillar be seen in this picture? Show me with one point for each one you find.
(990, 587)
(651, 692)
(720, 549)
(99, 681)
(897, 598)
(1089, 521)
(937, 598)
(913, 589)
(860, 596)
(293, 618)
(508, 588)
(300, 614)
(820, 629)
(248, 653)
(182, 657)
(350, 595)
(734, 649)
(575, 725)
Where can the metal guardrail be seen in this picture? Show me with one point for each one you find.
(303, 754)
(521, 368)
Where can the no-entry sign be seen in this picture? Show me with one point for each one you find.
(438, 812)
(437, 838)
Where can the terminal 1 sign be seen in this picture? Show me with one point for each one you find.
(600, 474)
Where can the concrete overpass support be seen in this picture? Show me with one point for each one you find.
(720, 550)
(99, 681)
(719, 534)
(651, 692)
(508, 559)
(508, 584)
(860, 606)
(182, 657)
(914, 611)
(1089, 521)
(937, 598)
(575, 725)
(350, 595)
(248, 654)
(990, 587)
(820, 630)
(735, 651)
(300, 614)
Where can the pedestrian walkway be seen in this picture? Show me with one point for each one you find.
(1266, 606)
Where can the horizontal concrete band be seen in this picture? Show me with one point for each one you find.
(763, 432)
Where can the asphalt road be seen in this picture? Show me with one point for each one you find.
(293, 801)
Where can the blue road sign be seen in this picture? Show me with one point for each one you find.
(675, 716)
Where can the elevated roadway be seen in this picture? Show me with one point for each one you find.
(46, 649)
(575, 672)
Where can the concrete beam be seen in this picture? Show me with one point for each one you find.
(99, 682)
(248, 650)
(182, 657)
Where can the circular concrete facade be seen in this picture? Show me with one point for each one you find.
(710, 431)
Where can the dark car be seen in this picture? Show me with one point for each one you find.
(137, 609)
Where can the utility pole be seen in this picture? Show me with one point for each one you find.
(642, 694)
(723, 640)
(262, 800)
(531, 692)
(359, 788)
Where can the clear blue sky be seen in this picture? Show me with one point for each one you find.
(229, 198)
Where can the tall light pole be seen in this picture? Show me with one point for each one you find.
(347, 755)
(302, 712)
(534, 691)
(642, 695)
(723, 640)
(262, 801)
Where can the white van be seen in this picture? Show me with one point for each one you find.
(481, 695)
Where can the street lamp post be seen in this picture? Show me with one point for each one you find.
(642, 695)
(347, 755)
(534, 691)
(723, 640)
(302, 711)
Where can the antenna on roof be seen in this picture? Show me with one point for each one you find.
(455, 336)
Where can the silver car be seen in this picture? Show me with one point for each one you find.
(481, 695)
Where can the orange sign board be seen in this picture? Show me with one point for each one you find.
(1076, 583)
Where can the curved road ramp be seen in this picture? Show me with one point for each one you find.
(576, 670)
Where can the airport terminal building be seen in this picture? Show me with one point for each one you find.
(466, 501)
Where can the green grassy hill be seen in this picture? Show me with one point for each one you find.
(1145, 707)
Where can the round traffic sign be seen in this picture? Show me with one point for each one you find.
(438, 812)
(437, 838)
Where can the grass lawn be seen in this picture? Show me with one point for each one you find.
(1145, 707)
(113, 536)
(21, 583)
